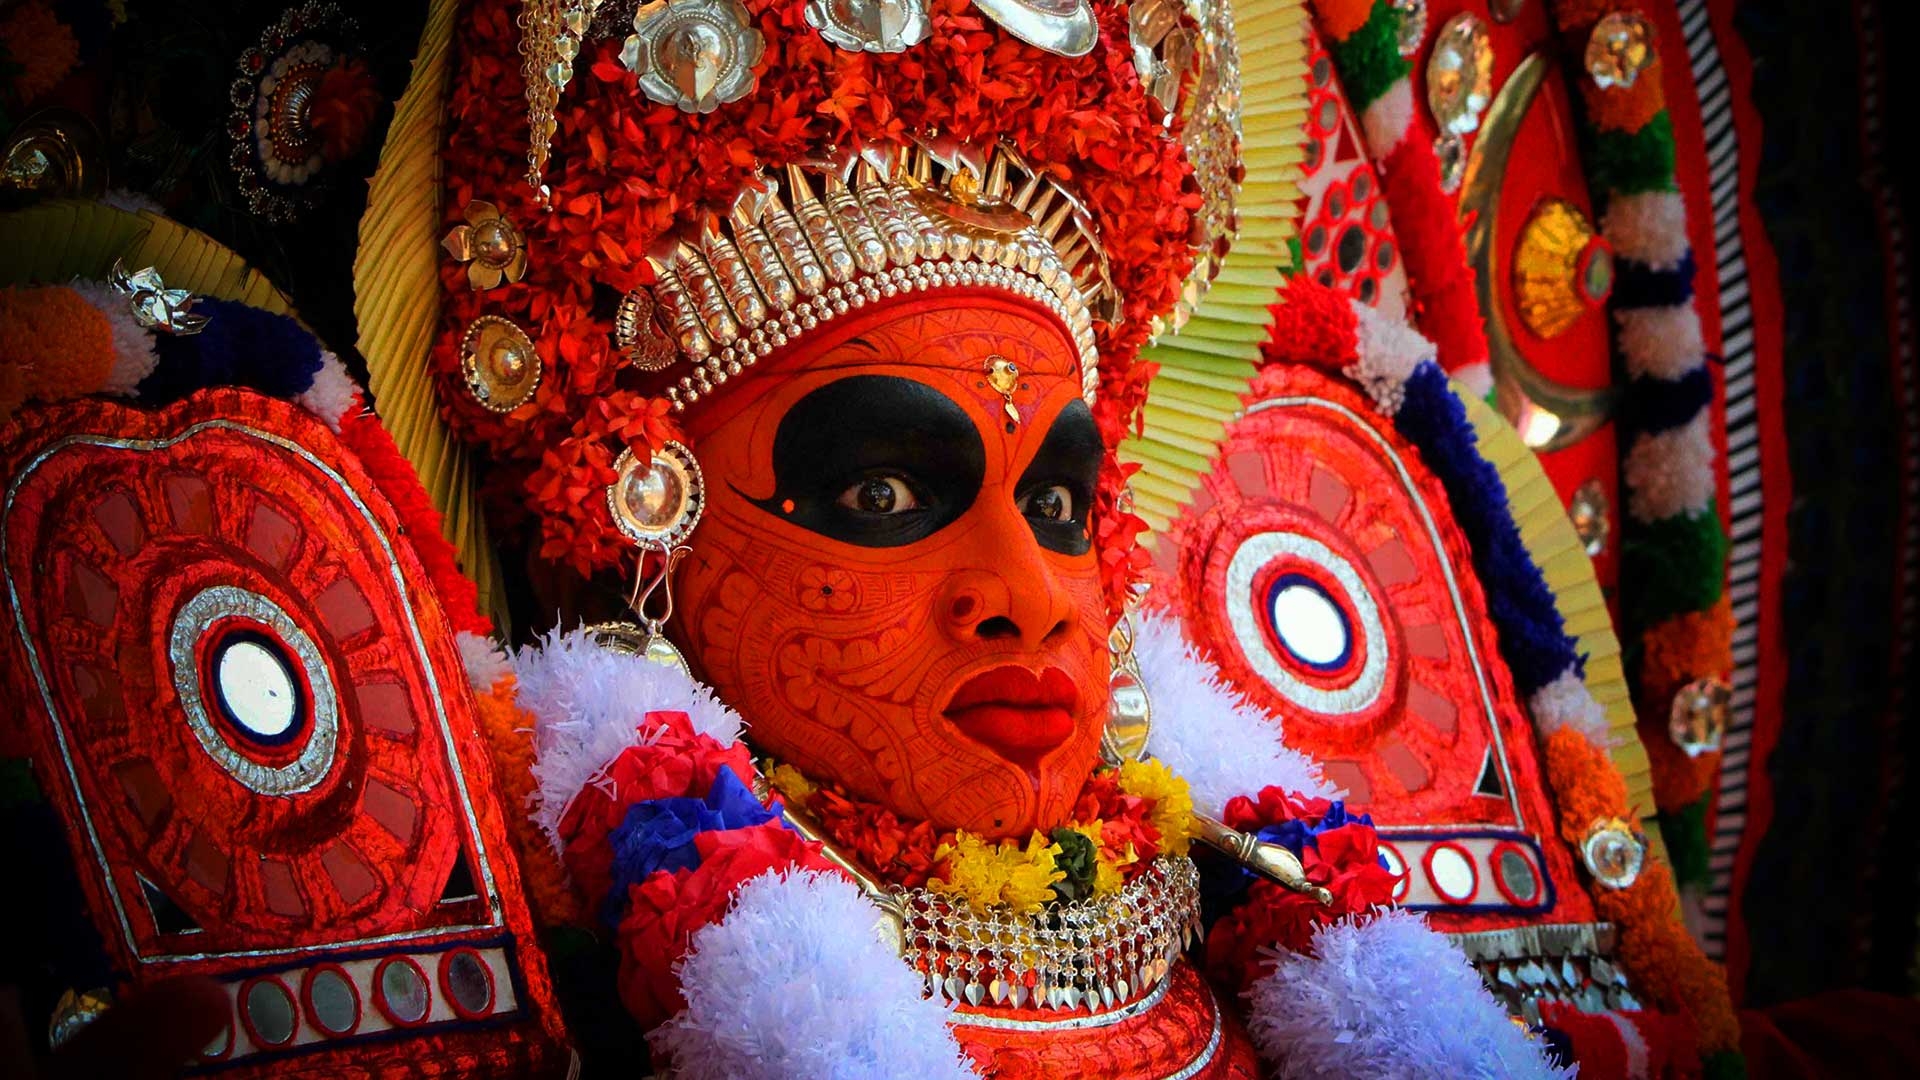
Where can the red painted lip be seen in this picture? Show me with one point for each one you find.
(1017, 713)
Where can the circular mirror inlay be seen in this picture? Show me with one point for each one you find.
(1516, 875)
(1309, 624)
(468, 983)
(248, 676)
(256, 689)
(401, 991)
(269, 1012)
(333, 1003)
(1451, 872)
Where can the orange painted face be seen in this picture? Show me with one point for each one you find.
(894, 581)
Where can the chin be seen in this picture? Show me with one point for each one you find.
(1046, 791)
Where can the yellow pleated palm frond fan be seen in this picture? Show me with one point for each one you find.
(1563, 560)
(396, 282)
(1207, 360)
(64, 239)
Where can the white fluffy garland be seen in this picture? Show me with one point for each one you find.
(793, 982)
(1386, 999)
(588, 703)
(1206, 732)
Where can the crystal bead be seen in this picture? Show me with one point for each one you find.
(1619, 48)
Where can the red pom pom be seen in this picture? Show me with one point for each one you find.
(664, 911)
(676, 763)
(1312, 324)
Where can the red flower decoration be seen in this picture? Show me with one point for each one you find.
(664, 911)
(677, 762)
(1345, 860)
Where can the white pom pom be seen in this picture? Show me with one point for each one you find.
(133, 355)
(1649, 228)
(1475, 379)
(1671, 472)
(792, 982)
(588, 704)
(486, 662)
(1385, 122)
(1389, 351)
(1663, 342)
(1567, 703)
(1387, 999)
(333, 392)
(1205, 732)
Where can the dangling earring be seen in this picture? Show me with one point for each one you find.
(1129, 711)
(656, 503)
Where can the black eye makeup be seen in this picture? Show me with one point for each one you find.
(875, 460)
(883, 461)
(1056, 492)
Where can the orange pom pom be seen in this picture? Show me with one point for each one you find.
(1685, 648)
(1340, 18)
(41, 46)
(1666, 966)
(1586, 786)
(56, 345)
(1626, 108)
(508, 733)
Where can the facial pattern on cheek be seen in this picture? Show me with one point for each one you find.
(841, 667)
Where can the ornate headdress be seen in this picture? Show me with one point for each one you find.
(711, 180)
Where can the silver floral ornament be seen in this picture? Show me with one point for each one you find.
(1061, 27)
(876, 26)
(696, 55)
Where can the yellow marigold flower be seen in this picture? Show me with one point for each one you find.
(1172, 812)
(790, 782)
(999, 875)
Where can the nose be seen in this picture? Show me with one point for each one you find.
(1009, 593)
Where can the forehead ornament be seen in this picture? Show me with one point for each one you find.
(1004, 375)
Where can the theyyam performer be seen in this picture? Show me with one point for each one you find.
(795, 341)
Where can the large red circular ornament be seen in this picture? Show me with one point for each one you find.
(1322, 566)
(222, 633)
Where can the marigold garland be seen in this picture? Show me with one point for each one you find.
(509, 734)
(1003, 874)
(1667, 967)
(1674, 558)
(1130, 816)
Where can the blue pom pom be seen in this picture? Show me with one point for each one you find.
(1533, 639)
(1654, 405)
(1637, 285)
(658, 834)
(241, 346)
